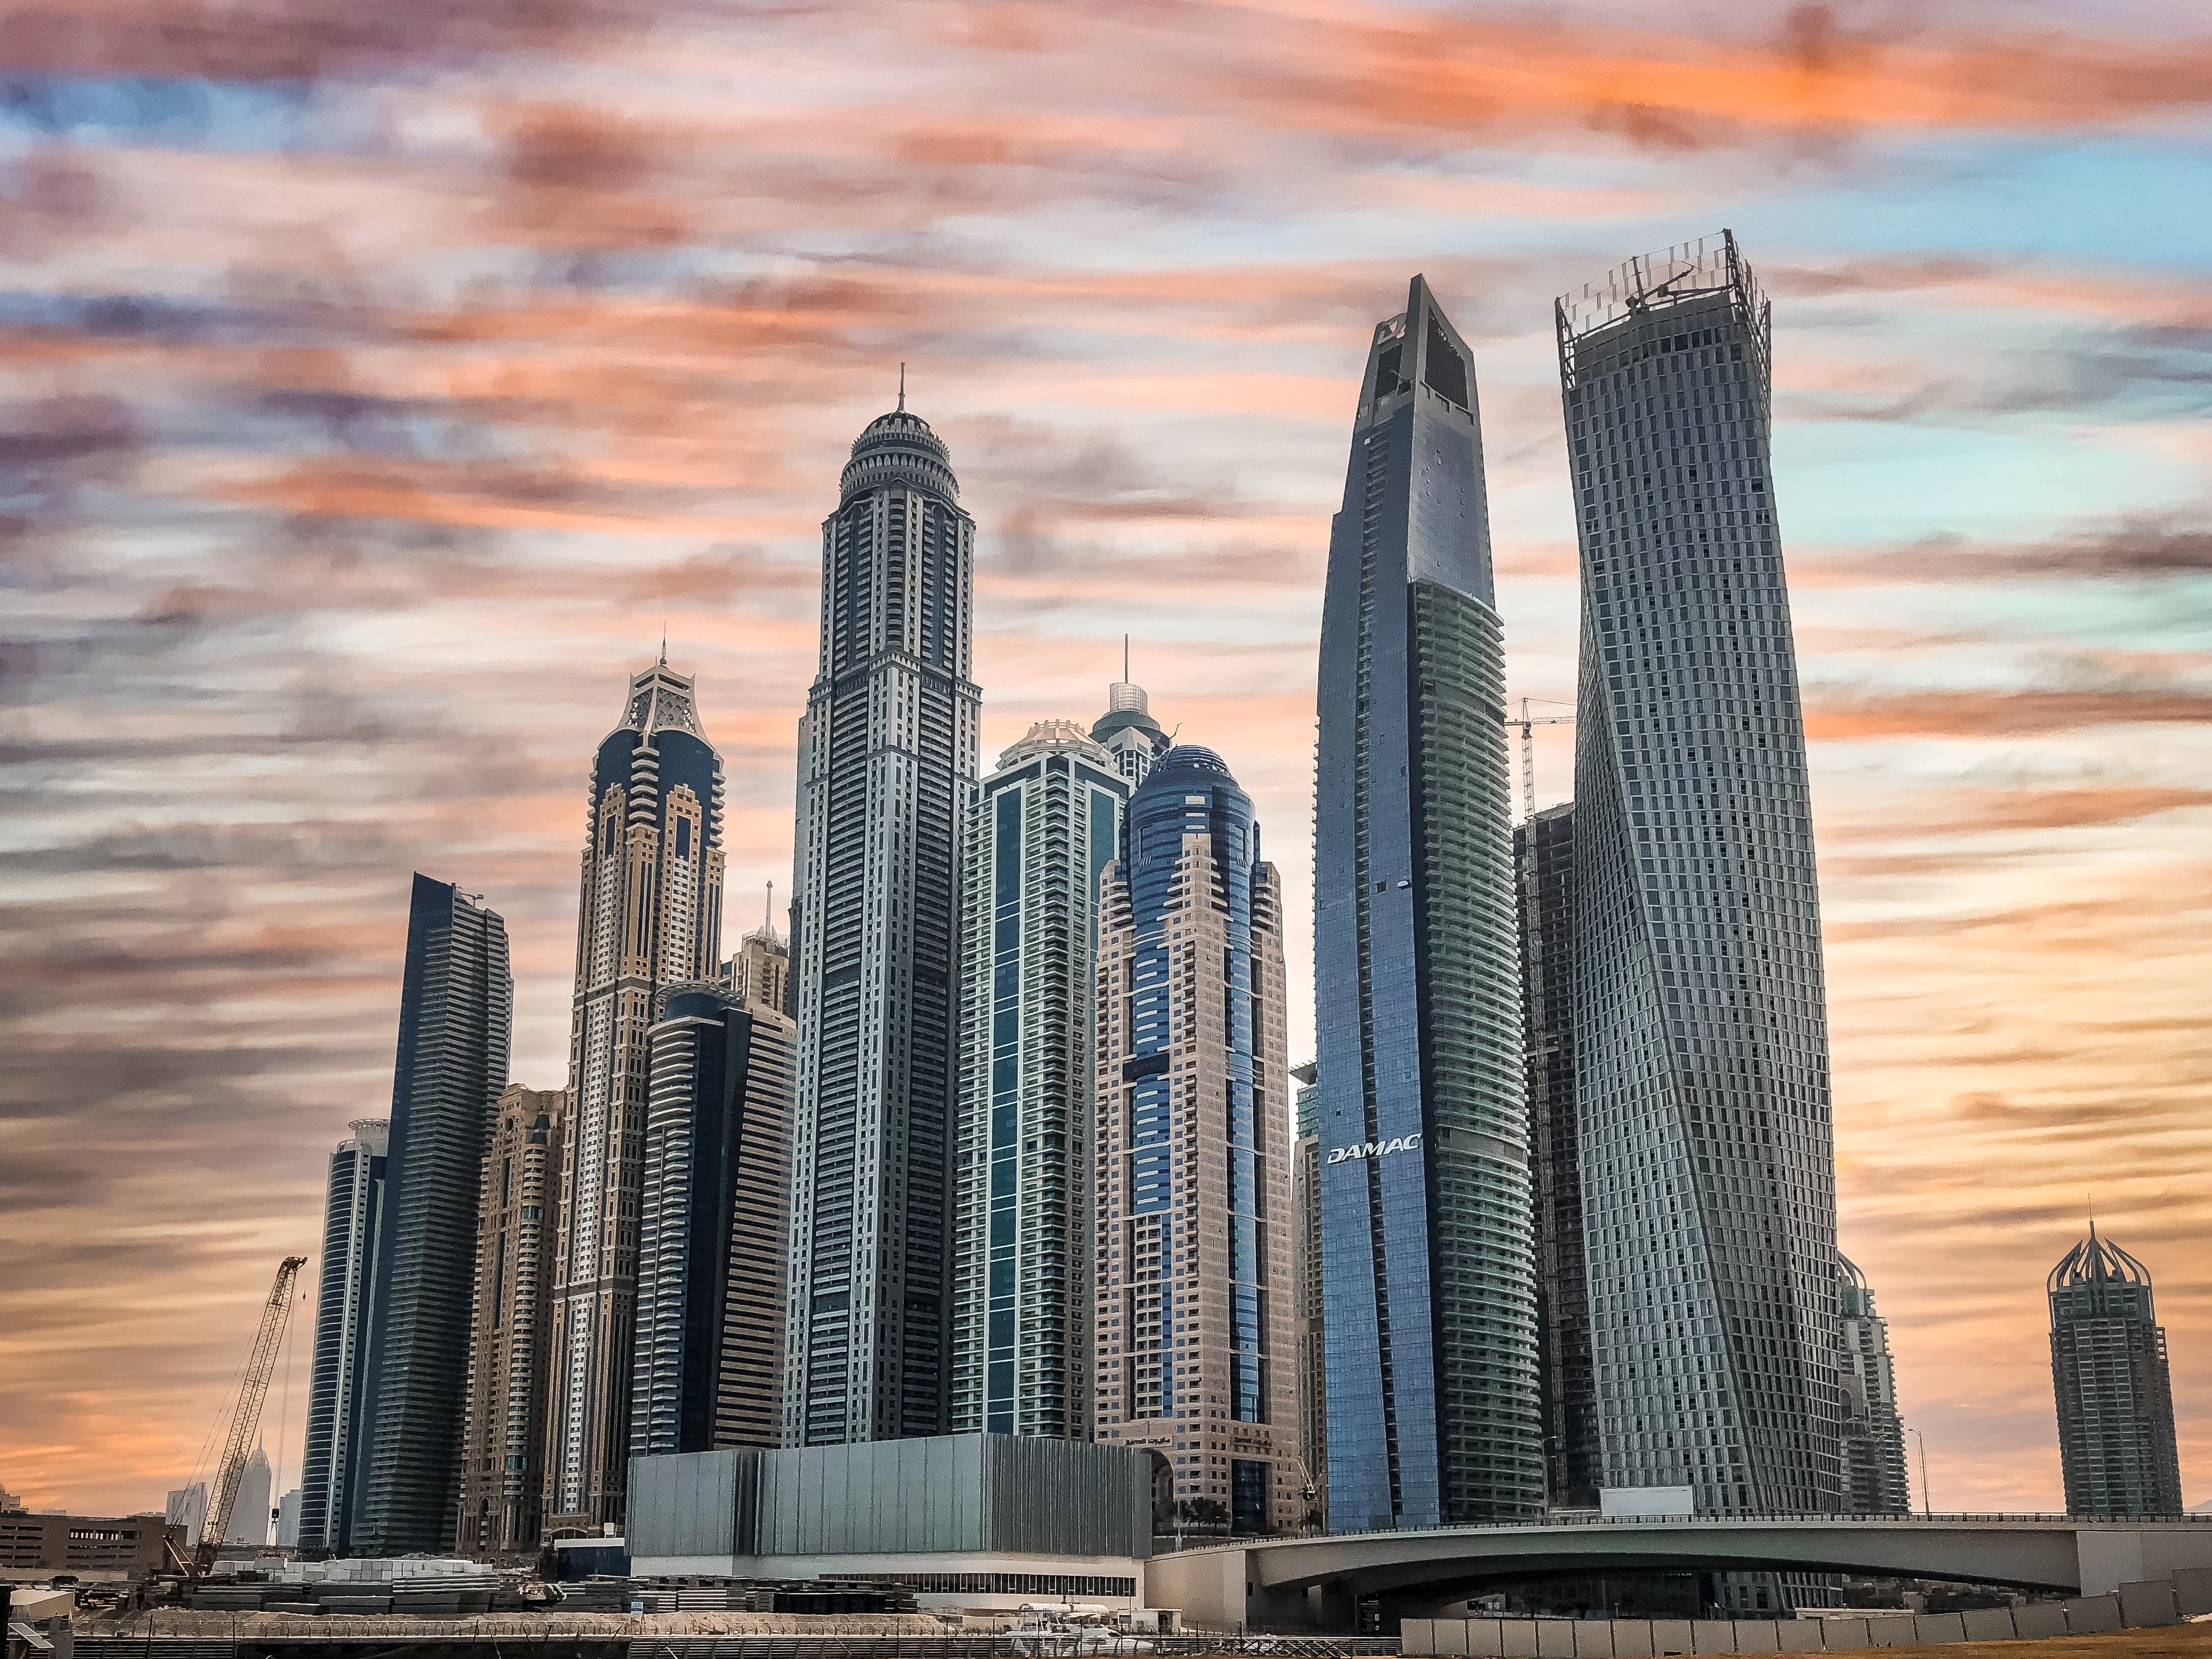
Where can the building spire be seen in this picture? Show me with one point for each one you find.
(1125, 658)
(768, 908)
(663, 642)
(901, 408)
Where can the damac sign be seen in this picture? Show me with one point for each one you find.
(1376, 1149)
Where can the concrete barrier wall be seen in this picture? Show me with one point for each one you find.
(2192, 1591)
(2092, 1614)
(2132, 1607)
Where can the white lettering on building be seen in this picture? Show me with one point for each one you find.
(1376, 1148)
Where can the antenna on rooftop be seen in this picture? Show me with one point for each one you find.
(901, 408)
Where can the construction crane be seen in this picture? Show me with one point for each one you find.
(246, 1416)
(1527, 725)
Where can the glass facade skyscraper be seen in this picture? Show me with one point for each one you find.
(1544, 848)
(456, 1006)
(1874, 1478)
(1045, 826)
(1701, 1053)
(887, 754)
(649, 915)
(1194, 1299)
(2108, 1370)
(1428, 1268)
(329, 1458)
(707, 1367)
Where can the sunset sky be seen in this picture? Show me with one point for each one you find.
(376, 380)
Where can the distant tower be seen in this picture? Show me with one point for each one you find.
(329, 1462)
(288, 1520)
(249, 1512)
(1046, 825)
(518, 1219)
(187, 1508)
(707, 1371)
(886, 766)
(759, 975)
(650, 915)
(456, 1003)
(2108, 1368)
(1544, 852)
(1701, 1045)
(1875, 1480)
(1127, 730)
(1196, 1356)
(1429, 1265)
(1306, 1307)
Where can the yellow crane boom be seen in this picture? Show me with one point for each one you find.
(246, 1416)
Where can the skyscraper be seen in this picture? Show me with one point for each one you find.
(887, 763)
(707, 1372)
(518, 1219)
(1306, 1305)
(1428, 1267)
(1044, 827)
(329, 1459)
(457, 1001)
(249, 1512)
(649, 915)
(1128, 732)
(1701, 1055)
(2108, 1369)
(187, 1507)
(1196, 1357)
(1874, 1479)
(1543, 851)
(759, 975)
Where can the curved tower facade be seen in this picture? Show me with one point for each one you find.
(1428, 1265)
(1701, 1013)
(1193, 1297)
(650, 916)
(2108, 1369)
(887, 754)
(1874, 1478)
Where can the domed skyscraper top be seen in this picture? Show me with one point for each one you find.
(899, 448)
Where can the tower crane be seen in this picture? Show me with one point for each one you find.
(1526, 724)
(246, 1416)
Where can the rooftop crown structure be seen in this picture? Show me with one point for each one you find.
(2108, 1370)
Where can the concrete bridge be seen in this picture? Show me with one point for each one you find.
(1293, 1582)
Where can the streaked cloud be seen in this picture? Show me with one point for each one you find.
(377, 383)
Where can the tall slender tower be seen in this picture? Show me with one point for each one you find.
(887, 755)
(1306, 1303)
(1428, 1268)
(650, 915)
(329, 1459)
(249, 1512)
(1874, 1479)
(708, 1367)
(456, 1007)
(518, 1219)
(1544, 850)
(1046, 825)
(1196, 1363)
(1701, 1050)
(2108, 1368)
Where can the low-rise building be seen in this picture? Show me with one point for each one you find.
(97, 1549)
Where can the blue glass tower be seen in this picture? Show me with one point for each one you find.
(455, 1009)
(1194, 1291)
(330, 1462)
(1429, 1305)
